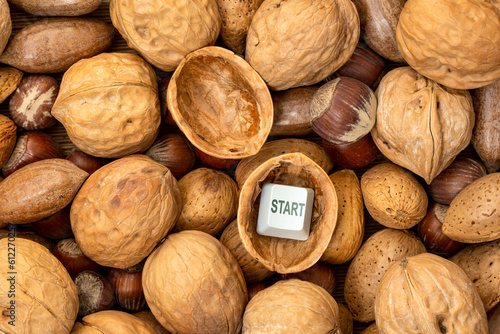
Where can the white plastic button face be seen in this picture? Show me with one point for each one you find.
(285, 211)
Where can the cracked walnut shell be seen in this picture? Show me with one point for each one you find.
(420, 124)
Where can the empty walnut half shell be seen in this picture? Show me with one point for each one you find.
(280, 254)
(220, 103)
(421, 125)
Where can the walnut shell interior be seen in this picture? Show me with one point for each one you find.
(220, 103)
(280, 254)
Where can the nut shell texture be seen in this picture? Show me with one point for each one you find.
(112, 321)
(46, 299)
(421, 125)
(5, 24)
(220, 103)
(109, 105)
(428, 294)
(292, 306)
(193, 284)
(453, 42)
(164, 31)
(124, 209)
(299, 43)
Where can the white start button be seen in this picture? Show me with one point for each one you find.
(285, 211)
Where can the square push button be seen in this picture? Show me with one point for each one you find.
(285, 211)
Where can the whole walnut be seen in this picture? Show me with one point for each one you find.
(420, 124)
(292, 306)
(164, 31)
(124, 209)
(109, 105)
(432, 295)
(193, 284)
(38, 289)
(299, 43)
(453, 42)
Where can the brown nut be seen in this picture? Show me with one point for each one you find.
(206, 294)
(112, 321)
(148, 317)
(39, 190)
(213, 162)
(47, 299)
(320, 273)
(372, 329)
(104, 120)
(300, 305)
(343, 110)
(5, 25)
(127, 284)
(474, 214)
(150, 31)
(31, 103)
(56, 226)
(375, 256)
(300, 43)
(494, 320)
(281, 254)
(135, 203)
(421, 125)
(95, 293)
(57, 7)
(349, 231)
(72, 258)
(486, 135)
(210, 201)
(229, 116)
(85, 161)
(28, 233)
(8, 137)
(52, 45)
(353, 155)
(451, 42)
(432, 294)
(281, 146)
(346, 320)
(393, 196)
(459, 174)
(10, 78)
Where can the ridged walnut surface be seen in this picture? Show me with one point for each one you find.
(109, 105)
(292, 306)
(10, 78)
(5, 24)
(281, 254)
(193, 284)
(428, 294)
(421, 125)
(165, 31)
(46, 299)
(220, 103)
(481, 263)
(453, 42)
(474, 214)
(375, 256)
(124, 209)
(350, 228)
(281, 146)
(8, 138)
(253, 270)
(110, 322)
(299, 43)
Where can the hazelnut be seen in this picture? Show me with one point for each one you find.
(218, 163)
(85, 161)
(127, 284)
(95, 293)
(56, 226)
(71, 256)
(320, 273)
(343, 110)
(353, 155)
(31, 103)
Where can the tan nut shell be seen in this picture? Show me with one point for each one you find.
(421, 125)
(281, 254)
(39, 190)
(124, 209)
(481, 263)
(281, 146)
(210, 201)
(372, 329)
(193, 284)
(375, 256)
(10, 78)
(165, 31)
(236, 16)
(8, 137)
(220, 103)
(350, 228)
(432, 295)
(57, 7)
(393, 196)
(292, 306)
(453, 42)
(299, 43)
(253, 270)
(474, 214)
(109, 105)
(46, 299)
(110, 322)
(345, 319)
(5, 24)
